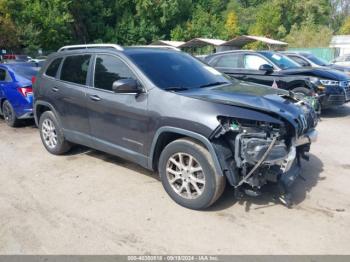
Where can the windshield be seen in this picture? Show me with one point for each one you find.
(25, 71)
(281, 61)
(316, 60)
(176, 70)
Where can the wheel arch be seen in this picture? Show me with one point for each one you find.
(40, 107)
(300, 83)
(2, 100)
(166, 135)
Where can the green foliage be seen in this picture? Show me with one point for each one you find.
(49, 24)
(309, 35)
(345, 29)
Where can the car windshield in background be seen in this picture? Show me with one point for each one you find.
(176, 70)
(317, 61)
(25, 71)
(281, 61)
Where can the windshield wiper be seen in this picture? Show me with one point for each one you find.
(176, 88)
(213, 84)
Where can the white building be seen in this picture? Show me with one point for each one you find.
(342, 43)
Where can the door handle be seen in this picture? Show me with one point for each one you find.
(54, 89)
(95, 97)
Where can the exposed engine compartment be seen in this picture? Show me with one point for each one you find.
(256, 153)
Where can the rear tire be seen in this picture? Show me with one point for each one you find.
(188, 174)
(52, 135)
(9, 114)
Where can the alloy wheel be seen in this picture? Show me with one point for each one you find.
(185, 175)
(48, 130)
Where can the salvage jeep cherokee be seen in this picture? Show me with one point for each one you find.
(171, 113)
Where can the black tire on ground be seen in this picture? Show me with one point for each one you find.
(303, 90)
(214, 183)
(9, 114)
(62, 145)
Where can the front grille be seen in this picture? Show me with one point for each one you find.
(346, 86)
(306, 122)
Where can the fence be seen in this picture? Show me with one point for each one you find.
(326, 53)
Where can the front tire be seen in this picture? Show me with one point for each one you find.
(188, 174)
(9, 114)
(52, 135)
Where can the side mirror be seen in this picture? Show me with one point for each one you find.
(267, 68)
(127, 85)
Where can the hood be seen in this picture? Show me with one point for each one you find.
(319, 72)
(340, 68)
(252, 96)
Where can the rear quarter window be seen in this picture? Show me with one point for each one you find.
(53, 67)
(75, 68)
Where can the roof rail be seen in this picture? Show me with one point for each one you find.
(74, 47)
(158, 46)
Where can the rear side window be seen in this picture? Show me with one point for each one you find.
(2, 74)
(75, 68)
(299, 60)
(53, 67)
(109, 69)
(232, 61)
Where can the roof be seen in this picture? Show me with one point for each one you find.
(200, 42)
(240, 41)
(168, 43)
(340, 40)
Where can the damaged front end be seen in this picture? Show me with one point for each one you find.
(254, 153)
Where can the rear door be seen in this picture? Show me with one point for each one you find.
(2, 84)
(68, 94)
(119, 122)
(230, 64)
(7, 87)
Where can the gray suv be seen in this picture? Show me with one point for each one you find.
(171, 113)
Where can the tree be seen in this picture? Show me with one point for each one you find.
(8, 33)
(309, 35)
(231, 25)
(268, 20)
(345, 29)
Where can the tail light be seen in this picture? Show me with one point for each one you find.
(33, 80)
(25, 91)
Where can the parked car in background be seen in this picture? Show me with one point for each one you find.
(38, 59)
(343, 60)
(13, 57)
(171, 113)
(277, 70)
(16, 93)
(307, 59)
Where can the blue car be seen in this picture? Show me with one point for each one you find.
(16, 93)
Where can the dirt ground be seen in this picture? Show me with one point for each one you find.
(89, 202)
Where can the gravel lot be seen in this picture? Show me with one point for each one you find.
(89, 202)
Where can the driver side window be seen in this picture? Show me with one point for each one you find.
(253, 62)
(109, 69)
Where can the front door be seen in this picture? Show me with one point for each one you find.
(118, 122)
(252, 64)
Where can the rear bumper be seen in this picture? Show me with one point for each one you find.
(27, 114)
